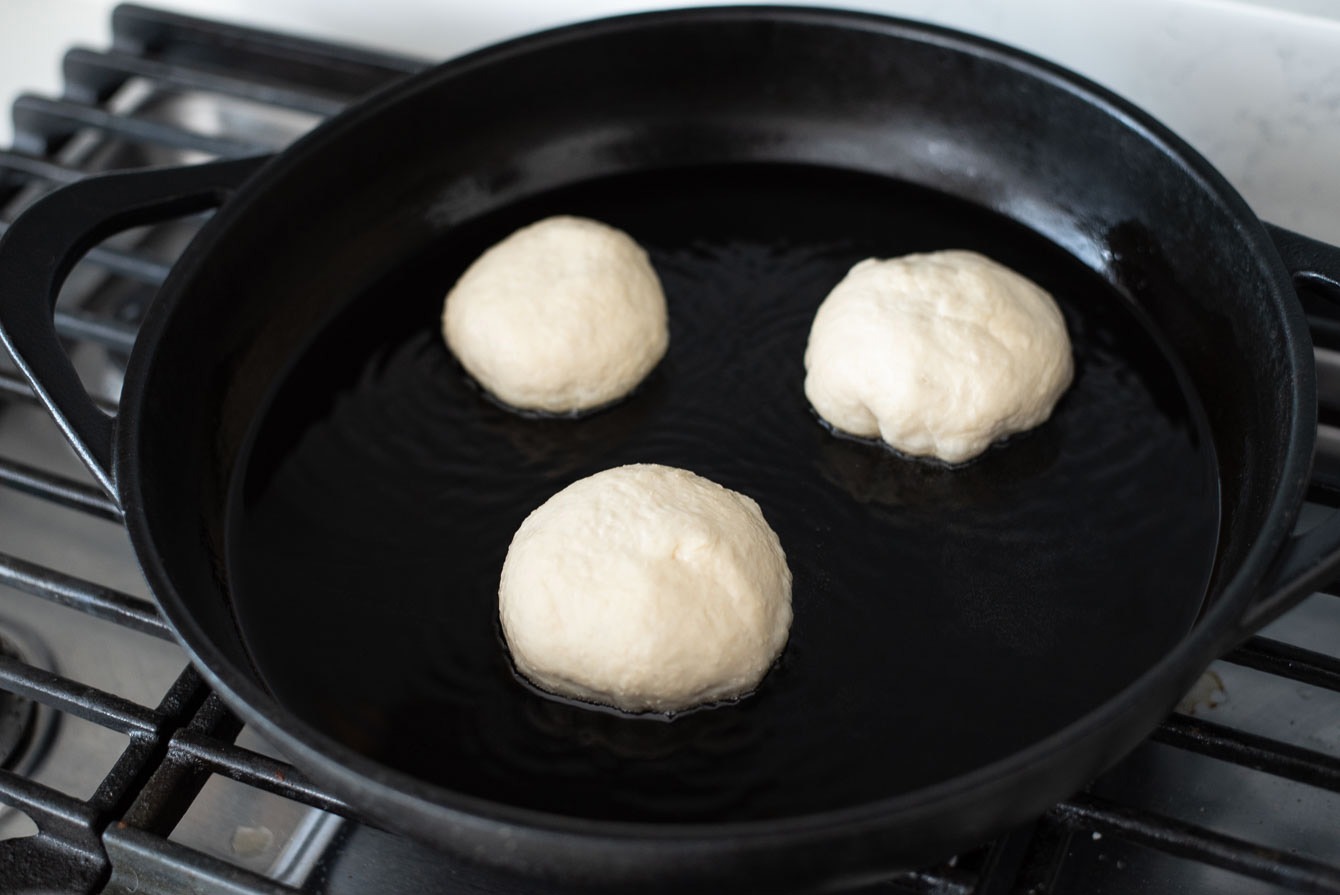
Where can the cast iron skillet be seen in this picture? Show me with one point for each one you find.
(321, 501)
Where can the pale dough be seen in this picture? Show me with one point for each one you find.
(938, 354)
(647, 588)
(564, 315)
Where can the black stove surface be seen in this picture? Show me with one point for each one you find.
(1236, 792)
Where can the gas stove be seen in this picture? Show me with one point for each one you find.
(125, 773)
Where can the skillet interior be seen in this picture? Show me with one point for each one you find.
(944, 618)
(343, 213)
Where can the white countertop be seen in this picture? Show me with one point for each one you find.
(1253, 84)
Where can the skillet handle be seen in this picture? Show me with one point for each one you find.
(49, 237)
(1311, 559)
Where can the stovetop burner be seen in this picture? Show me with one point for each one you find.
(16, 723)
(26, 725)
(136, 778)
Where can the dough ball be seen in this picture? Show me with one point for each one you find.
(564, 315)
(647, 588)
(937, 354)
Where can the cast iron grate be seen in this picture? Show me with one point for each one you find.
(121, 834)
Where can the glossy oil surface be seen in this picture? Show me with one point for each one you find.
(944, 618)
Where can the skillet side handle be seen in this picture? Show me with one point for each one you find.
(49, 237)
(1309, 560)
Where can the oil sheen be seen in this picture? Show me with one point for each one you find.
(944, 618)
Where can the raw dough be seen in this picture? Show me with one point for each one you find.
(937, 354)
(647, 588)
(564, 315)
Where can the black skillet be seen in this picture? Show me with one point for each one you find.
(322, 502)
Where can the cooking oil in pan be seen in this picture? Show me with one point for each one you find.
(944, 618)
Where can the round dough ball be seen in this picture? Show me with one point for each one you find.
(937, 354)
(647, 588)
(564, 315)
